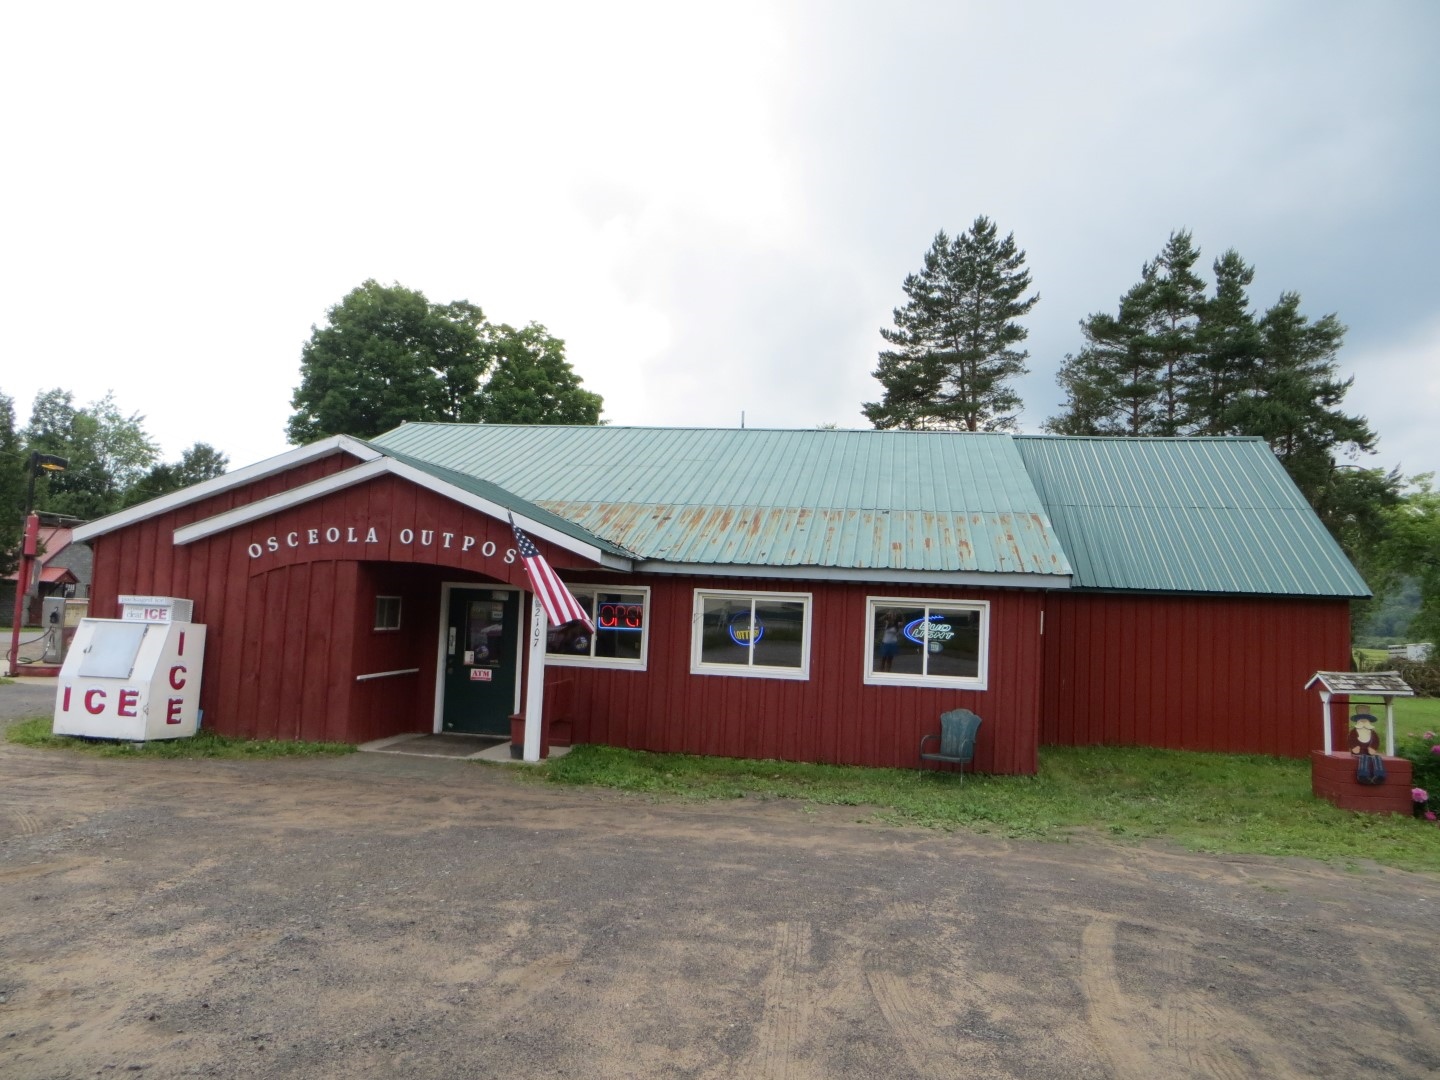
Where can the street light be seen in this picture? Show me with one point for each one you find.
(37, 464)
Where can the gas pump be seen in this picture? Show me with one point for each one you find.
(60, 615)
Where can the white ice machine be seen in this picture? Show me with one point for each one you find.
(136, 677)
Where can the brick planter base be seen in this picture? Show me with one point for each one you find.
(1332, 778)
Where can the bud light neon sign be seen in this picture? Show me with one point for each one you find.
(924, 631)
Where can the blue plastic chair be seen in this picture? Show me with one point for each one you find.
(958, 729)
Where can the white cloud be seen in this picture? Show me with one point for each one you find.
(1397, 386)
(714, 207)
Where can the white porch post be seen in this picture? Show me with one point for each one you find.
(1389, 726)
(535, 680)
(1325, 718)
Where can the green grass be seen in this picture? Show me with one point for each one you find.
(1416, 714)
(1218, 803)
(35, 733)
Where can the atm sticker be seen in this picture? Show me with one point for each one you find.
(480, 674)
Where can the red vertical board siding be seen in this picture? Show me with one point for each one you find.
(1206, 673)
(832, 716)
(319, 635)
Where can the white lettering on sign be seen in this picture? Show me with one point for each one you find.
(323, 535)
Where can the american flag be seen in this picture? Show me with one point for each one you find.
(559, 603)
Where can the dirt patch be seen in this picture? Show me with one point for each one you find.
(376, 915)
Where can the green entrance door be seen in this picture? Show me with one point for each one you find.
(482, 645)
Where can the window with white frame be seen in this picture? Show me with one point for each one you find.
(927, 642)
(621, 635)
(387, 613)
(759, 634)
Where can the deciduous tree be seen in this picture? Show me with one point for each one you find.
(201, 462)
(108, 452)
(13, 462)
(532, 382)
(387, 355)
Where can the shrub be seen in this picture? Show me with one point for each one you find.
(1423, 678)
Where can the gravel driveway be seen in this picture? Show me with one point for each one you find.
(382, 916)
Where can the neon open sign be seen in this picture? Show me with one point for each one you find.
(935, 628)
(745, 631)
(621, 617)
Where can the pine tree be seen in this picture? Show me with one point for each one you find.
(1137, 369)
(1173, 300)
(1229, 364)
(1173, 362)
(1295, 399)
(955, 339)
(1111, 385)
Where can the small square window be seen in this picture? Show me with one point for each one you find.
(387, 613)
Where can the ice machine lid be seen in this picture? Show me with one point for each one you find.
(112, 650)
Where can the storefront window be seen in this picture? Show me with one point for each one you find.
(620, 636)
(761, 634)
(930, 642)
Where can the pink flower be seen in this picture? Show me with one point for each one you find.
(1429, 815)
(1435, 749)
(1419, 794)
(1429, 736)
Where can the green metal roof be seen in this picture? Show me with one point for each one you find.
(501, 497)
(1172, 515)
(857, 500)
(1194, 515)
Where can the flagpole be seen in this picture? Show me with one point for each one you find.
(535, 680)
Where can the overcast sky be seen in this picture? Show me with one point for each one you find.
(713, 205)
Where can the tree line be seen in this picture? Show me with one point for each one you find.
(1178, 356)
(112, 463)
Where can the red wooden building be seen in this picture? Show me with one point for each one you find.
(805, 595)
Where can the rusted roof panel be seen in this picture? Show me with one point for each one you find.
(922, 501)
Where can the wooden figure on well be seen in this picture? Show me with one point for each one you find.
(1365, 745)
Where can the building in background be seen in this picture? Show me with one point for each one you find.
(63, 568)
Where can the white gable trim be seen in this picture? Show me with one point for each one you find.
(249, 474)
(382, 466)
